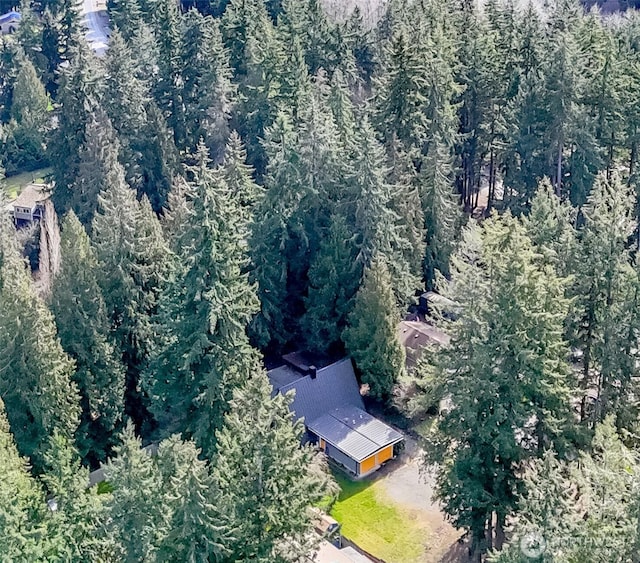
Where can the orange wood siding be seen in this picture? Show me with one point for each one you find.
(385, 454)
(323, 445)
(368, 464)
(375, 460)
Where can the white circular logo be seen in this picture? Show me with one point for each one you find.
(533, 545)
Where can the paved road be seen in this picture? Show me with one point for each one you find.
(96, 22)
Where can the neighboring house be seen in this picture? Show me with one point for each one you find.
(432, 303)
(10, 22)
(415, 335)
(29, 205)
(328, 398)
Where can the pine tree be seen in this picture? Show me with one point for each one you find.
(265, 481)
(401, 93)
(510, 397)
(61, 34)
(550, 228)
(24, 147)
(591, 501)
(243, 20)
(239, 176)
(98, 167)
(133, 264)
(377, 226)
(22, 504)
(272, 242)
(77, 511)
(35, 380)
(125, 16)
(197, 526)
(371, 335)
(258, 94)
(147, 153)
(442, 214)
(77, 100)
(207, 91)
(204, 314)
(602, 285)
(167, 33)
(83, 326)
(138, 518)
(333, 281)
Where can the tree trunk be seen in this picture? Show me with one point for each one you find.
(489, 534)
(559, 169)
(500, 535)
(492, 184)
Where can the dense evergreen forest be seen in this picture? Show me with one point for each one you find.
(236, 179)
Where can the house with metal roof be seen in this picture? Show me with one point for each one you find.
(328, 399)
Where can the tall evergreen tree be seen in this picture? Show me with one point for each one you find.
(378, 227)
(371, 335)
(197, 527)
(26, 132)
(271, 240)
(441, 209)
(239, 176)
(83, 325)
(550, 228)
(98, 167)
(401, 93)
(204, 314)
(334, 277)
(207, 92)
(265, 481)
(147, 153)
(133, 264)
(77, 100)
(590, 500)
(508, 354)
(77, 511)
(138, 518)
(22, 504)
(35, 377)
(604, 279)
(167, 31)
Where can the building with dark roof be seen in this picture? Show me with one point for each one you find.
(415, 336)
(328, 399)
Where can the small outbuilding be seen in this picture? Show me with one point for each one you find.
(327, 396)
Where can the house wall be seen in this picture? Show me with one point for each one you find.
(375, 460)
(23, 213)
(345, 460)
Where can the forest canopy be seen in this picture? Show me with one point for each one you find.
(236, 179)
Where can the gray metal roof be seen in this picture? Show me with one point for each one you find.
(354, 432)
(334, 386)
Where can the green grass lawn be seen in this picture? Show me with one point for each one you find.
(376, 525)
(13, 185)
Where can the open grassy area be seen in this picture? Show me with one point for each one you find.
(377, 525)
(13, 185)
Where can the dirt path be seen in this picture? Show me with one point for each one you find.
(405, 484)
